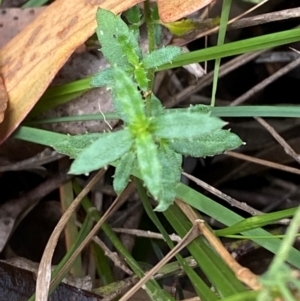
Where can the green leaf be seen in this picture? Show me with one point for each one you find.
(103, 78)
(161, 56)
(181, 27)
(207, 145)
(171, 172)
(116, 39)
(72, 146)
(198, 109)
(106, 149)
(108, 24)
(256, 222)
(134, 18)
(157, 27)
(184, 124)
(123, 171)
(148, 161)
(128, 101)
(156, 107)
(133, 14)
(184, 26)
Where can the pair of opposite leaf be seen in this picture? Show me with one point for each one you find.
(153, 139)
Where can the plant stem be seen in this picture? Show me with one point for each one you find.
(151, 45)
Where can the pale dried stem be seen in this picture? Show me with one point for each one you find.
(147, 234)
(242, 273)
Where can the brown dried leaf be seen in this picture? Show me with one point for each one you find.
(3, 99)
(14, 20)
(29, 62)
(167, 12)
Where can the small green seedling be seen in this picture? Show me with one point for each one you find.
(153, 139)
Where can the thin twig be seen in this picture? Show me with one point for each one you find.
(287, 68)
(9, 211)
(46, 156)
(113, 256)
(264, 162)
(233, 202)
(287, 148)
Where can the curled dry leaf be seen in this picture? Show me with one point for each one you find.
(42, 49)
(167, 12)
(3, 99)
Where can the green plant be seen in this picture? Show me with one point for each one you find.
(153, 139)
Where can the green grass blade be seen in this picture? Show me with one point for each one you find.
(221, 38)
(37, 136)
(234, 48)
(228, 217)
(34, 3)
(256, 222)
(215, 269)
(201, 288)
(291, 111)
(257, 111)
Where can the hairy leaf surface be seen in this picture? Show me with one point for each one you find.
(133, 15)
(155, 107)
(103, 78)
(115, 37)
(127, 99)
(106, 149)
(149, 164)
(161, 56)
(72, 146)
(207, 145)
(185, 125)
(171, 171)
(123, 171)
(108, 23)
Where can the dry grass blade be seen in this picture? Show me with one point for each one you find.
(243, 274)
(114, 206)
(189, 237)
(44, 272)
